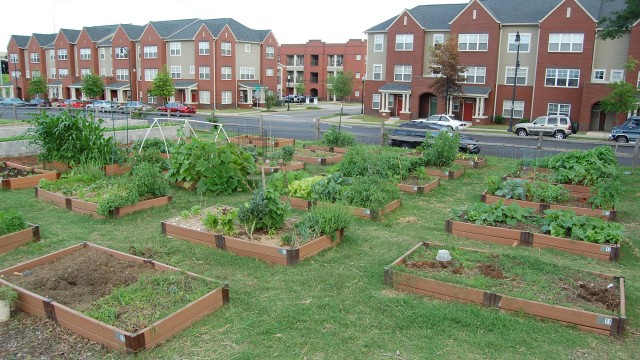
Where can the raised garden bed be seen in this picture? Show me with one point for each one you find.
(418, 272)
(96, 272)
(364, 213)
(271, 168)
(14, 176)
(471, 163)
(84, 207)
(317, 157)
(418, 187)
(116, 169)
(14, 240)
(514, 237)
(576, 191)
(192, 230)
(609, 215)
(254, 140)
(331, 149)
(447, 174)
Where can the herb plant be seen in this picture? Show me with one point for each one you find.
(264, 211)
(11, 222)
(336, 138)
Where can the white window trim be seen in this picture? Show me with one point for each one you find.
(604, 75)
(225, 48)
(150, 52)
(374, 71)
(403, 39)
(35, 58)
(224, 73)
(518, 106)
(376, 98)
(568, 78)
(226, 97)
(177, 70)
(270, 52)
(103, 53)
(376, 43)
(204, 96)
(402, 71)
(467, 36)
(270, 72)
(477, 68)
(571, 42)
(204, 50)
(559, 106)
(520, 74)
(175, 49)
(616, 71)
(436, 37)
(204, 73)
(522, 35)
(192, 70)
(247, 48)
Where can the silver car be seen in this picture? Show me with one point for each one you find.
(102, 105)
(13, 102)
(557, 126)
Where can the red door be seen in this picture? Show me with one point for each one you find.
(467, 110)
(398, 104)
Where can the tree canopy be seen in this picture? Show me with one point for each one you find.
(300, 87)
(445, 61)
(162, 85)
(37, 86)
(92, 86)
(341, 86)
(620, 21)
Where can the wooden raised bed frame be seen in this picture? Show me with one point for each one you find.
(448, 175)
(14, 240)
(419, 189)
(26, 181)
(610, 252)
(319, 160)
(275, 168)
(472, 164)
(585, 320)
(577, 191)
(272, 254)
(84, 207)
(261, 141)
(609, 215)
(116, 169)
(107, 335)
(331, 149)
(364, 213)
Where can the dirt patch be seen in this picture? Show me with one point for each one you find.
(29, 160)
(491, 271)
(78, 279)
(408, 220)
(449, 266)
(7, 172)
(603, 294)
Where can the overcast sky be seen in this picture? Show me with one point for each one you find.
(292, 21)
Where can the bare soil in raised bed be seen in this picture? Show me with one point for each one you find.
(7, 172)
(28, 160)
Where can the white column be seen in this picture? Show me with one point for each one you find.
(408, 102)
(385, 101)
(482, 101)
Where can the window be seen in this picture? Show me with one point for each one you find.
(522, 76)
(16, 74)
(122, 74)
(35, 73)
(225, 48)
(617, 75)
(565, 42)
(438, 40)
(192, 70)
(205, 97)
(150, 52)
(122, 53)
(377, 72)
(150, 74)
(518, 109)
(151, 99)
(176, 72)
(473, 42)
(436, 71)
(52, 73)
(404, 42)
(376, 102)
(62, 54)
(225, 73)
(35, 58)
(54, 92)
(358, 57)
(63, 73)
(525, 43)
(562, 78)
(85, 54)
(357, 75)
(356, 93)
(558, 109)
(402, 73)
(475, 75)
(102, 53)
(103, 72)
(85, 72)
(247, 47)
(52, 55)
(271, 52)
(390, 101)
(378, 41)
(599, 74)
(270, 72)
(456, 105)
(203, 48)
(226, 97)
(204, 73)
(247, 73)
(175, 49)
(13, 58)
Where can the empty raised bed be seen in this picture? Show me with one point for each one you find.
(15, 176)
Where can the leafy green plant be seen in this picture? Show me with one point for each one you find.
(493, 184)
(540, 191)
(9, 295)
(333, 137)
(370, 192)
(287, 153)
(512, 189)
(329, 187)
(115, 196)
(11, 222)
(585, 167)
(491, 214)
(222, 220)
(498, 119)
(302, 188)
(332, 217)
(367, 160)
(605, 195)
(441, 150)
(567, 224)
(149, 181)
(279, 182)
(263, 211)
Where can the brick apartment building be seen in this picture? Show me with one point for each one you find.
(315, 62)
(564, 67)
(215, 63)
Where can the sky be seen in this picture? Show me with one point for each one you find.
(292, 21)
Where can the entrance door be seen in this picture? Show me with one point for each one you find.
(433, 105)
(398, 104)
(467, 111)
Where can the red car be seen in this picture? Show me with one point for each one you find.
(177, 109)
(72, 103)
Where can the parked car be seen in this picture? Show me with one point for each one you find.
(629, 131)
(73, 103)
(410, 138)
(559, 127)
(297, 99)
(134, 106)
(414, 124)
(13, 102)
(101, 105)
(447, 120)
(39, 103)
(176, 108)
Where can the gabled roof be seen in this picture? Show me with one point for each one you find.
(528, 11)
(430, 17)
(170, 27)
(608, 8)
(133, 31)
(215, 26)
(99, 33)
(45, 40)
(21, 40)
(71, 35)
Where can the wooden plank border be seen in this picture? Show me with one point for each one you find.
(14, 240)
(26, 181)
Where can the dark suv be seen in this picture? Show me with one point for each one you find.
(629, 131)
(410, 138)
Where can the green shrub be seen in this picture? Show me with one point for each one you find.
(512, 189)
(336, 138)
(370, 192)
(114, 196)
(264, 211)
(149, 181)
(496, 213)
(498, 119)
(441, 150)
(287, 154)
(332, 217)
(493, 184)
(605, 195)
(329, 188)
(567, 224)
(11, 222)
(540, 191)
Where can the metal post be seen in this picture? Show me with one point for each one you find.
(515, 80)
(362, 97)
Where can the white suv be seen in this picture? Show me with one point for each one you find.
(449, 121)
(557, 126)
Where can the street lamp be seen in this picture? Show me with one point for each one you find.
(515, 80)
(124, 50)
(288, 98)
(362, 97)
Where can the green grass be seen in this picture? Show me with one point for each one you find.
(335, 305)
(7, 122)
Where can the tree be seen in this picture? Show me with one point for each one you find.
(270, 99)
(341, 86)
(162, 85)
(620, 21)
(445, 60)
(300, 87)
(37, 86)
(623, 97)
(92, 86)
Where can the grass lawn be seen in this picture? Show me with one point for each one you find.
(335, 305)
